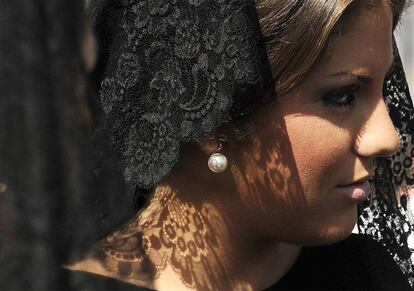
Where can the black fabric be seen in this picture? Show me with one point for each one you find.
(154, 63)
(173, 71)
(357, 263)
(381, 217)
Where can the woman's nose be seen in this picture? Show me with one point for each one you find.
(377, 136)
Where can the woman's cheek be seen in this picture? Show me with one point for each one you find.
(319, 148)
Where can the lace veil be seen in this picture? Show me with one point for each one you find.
(173, 71)
(385, 217)
(187, 61)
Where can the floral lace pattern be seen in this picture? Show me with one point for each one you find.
(383, 217)
(173, 75)
(178, 236)
(173, 70)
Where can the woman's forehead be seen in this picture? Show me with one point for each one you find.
(365, 41)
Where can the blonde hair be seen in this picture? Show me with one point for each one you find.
(296, 32)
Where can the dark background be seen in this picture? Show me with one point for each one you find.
(52, 207)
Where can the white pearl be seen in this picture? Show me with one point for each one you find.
(217, 162)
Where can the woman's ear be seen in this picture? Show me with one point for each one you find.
(208, 145)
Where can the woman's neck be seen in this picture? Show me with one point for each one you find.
(177, 243)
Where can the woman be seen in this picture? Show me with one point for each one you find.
(250, 152)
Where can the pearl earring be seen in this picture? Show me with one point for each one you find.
(217, 163)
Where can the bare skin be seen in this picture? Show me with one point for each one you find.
(243, 229)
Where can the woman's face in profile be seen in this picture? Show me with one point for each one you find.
(323, 134)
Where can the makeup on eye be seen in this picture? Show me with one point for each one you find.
(342, 97)
(345, 96)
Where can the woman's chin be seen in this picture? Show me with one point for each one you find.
(331, 232)
(336, 233)
(339, 227)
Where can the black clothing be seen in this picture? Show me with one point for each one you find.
(173, 71)
(357, 263)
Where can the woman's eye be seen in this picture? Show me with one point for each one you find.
(341, 98)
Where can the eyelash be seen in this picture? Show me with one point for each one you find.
(350, 92)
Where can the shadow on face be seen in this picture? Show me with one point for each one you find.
(324, 133)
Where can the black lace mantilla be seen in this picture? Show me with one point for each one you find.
(383, 217)
(172, 73)
(171, 76)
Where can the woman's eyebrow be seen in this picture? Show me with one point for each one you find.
(360, 76)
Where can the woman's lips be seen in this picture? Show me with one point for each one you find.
(357, 191)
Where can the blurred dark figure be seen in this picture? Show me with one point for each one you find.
(52, 207)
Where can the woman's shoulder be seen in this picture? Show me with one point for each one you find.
(357, 263)
(119, 256)
(137, 253)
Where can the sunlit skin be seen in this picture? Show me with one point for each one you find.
(329, 146)
(286, 177)
(280, 190)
